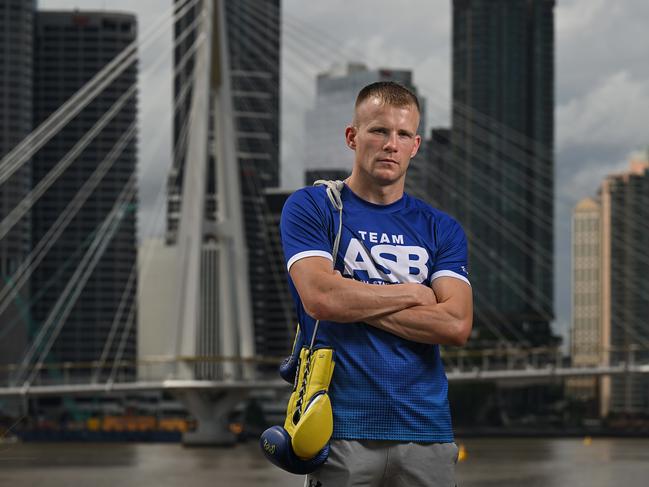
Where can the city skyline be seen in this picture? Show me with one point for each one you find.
(602, 87)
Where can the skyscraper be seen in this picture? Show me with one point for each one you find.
(16, 71)
(611, 288)
(326, 154)
(625, 286)
(587, 345)
(500, 184)
(71, 47)
(253, 54)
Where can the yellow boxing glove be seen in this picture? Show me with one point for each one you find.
(310, 422)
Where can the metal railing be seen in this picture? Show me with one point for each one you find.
(460, 364)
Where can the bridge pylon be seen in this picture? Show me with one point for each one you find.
(211, 411)
(213, 297)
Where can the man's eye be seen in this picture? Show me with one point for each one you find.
(378, 131)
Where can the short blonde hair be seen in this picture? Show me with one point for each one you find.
(390, 93)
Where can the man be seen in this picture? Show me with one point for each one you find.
(392, 424)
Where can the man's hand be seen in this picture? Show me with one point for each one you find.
(428, 295)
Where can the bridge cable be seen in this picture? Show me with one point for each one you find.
(26, 268)
(147, 257)
(24, 150)
(45, 327)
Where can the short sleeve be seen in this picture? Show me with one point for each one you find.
(451, 259)
(304, 228)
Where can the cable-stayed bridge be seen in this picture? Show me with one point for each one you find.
(210, 358)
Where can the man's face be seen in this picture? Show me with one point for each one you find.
(385, 139)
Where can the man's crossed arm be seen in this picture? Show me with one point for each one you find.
(441, 315)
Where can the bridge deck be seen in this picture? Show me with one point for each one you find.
(454, 375)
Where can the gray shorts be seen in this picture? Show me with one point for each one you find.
(369, 463)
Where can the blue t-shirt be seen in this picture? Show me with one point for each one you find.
(384, 387)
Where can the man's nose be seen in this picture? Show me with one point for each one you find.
(391, 142)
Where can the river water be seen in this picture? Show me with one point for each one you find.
(488, 463)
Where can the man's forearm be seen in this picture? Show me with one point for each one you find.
(436, 324)
(326, 295)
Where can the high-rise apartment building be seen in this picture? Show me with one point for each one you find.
(587, 346)
(611, 289)
(16, 71)
(326, 154)
(500, 183)
(625, 286)
(70, 48)
(253, 56)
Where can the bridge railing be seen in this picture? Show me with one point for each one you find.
(147, 369)
(158, 368)
(506, 358)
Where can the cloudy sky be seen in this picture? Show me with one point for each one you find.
(602, 86)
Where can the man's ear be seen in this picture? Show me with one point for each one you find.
(416, 146)
(350, 137)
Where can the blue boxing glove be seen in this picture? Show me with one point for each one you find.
(288, 367)
(276, 445)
